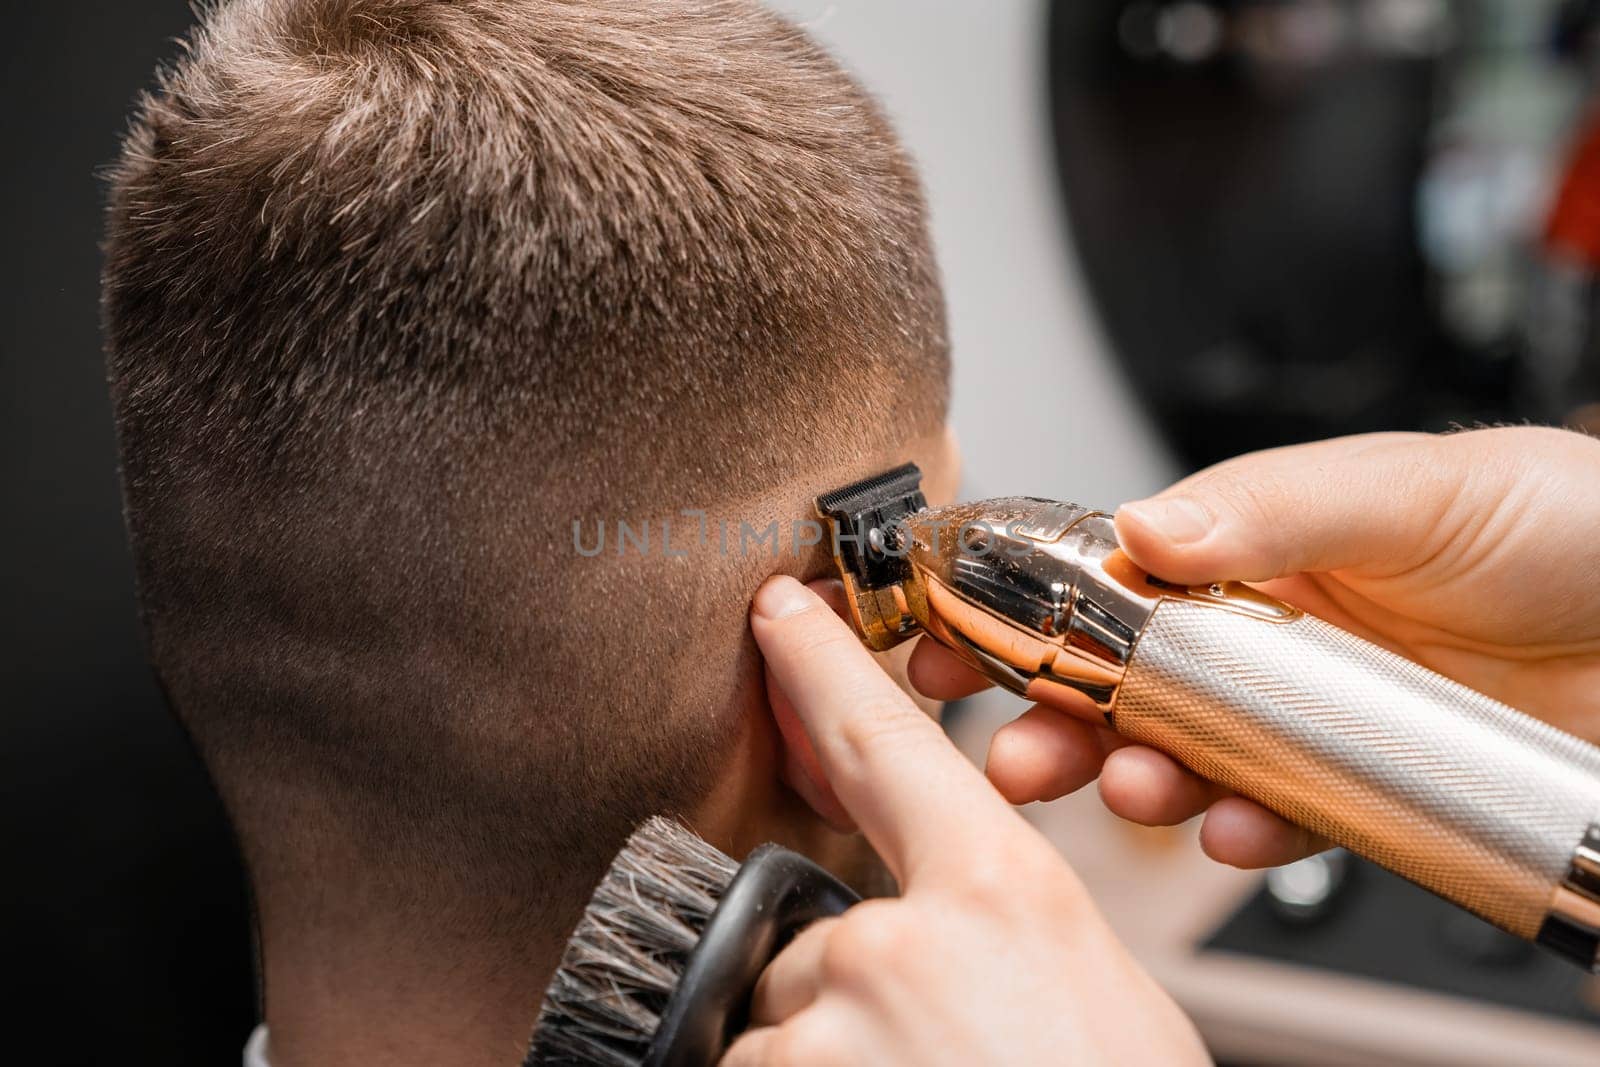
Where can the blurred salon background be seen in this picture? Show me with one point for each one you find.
(1170, 232)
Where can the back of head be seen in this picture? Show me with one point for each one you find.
(396, 290)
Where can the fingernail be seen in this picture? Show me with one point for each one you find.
(781, 596)
(1179, 519)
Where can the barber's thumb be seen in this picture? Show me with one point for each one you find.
(1272, 515)
(1202, 537)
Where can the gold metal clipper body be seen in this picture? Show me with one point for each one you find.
(1465, 796)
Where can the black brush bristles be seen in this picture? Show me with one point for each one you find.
(630, 949)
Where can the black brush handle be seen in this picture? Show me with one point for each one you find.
(775, 895)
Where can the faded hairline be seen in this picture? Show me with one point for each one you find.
(394, 289)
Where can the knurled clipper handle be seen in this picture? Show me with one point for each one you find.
(1480, 803)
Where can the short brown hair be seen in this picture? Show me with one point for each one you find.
(394, 289)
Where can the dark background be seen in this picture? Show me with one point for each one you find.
(123, 905)
(1275, 232)
(1251, 230)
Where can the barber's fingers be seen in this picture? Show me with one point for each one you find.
(1045, 754)
(792, 980)
(756, 1047)
(925, 809)
(1241, 833)
(1374, 503)
(1149, 787)
(801, 769)
(937, 672)
(828, 1033)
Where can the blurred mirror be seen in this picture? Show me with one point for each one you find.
(1301, 218)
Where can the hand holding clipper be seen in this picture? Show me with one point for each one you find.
(1488, 807)
(993, 952)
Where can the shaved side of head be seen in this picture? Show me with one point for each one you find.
(396, 291)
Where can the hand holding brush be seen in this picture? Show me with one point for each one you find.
(994, 952)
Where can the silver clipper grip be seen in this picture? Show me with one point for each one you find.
(1462, 795)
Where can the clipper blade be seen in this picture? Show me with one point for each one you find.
(863, 515)
(868, 547)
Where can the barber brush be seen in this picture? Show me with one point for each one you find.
(1479, 803)
(660, 970)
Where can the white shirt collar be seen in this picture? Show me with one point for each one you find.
(255, 1050)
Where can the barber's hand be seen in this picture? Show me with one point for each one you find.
(993, 954)
(1475, 554)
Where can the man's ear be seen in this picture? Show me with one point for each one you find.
(798, 764)
(939, 456)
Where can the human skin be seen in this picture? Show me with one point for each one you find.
(1476, 554)
(347, 983)
(993, 952)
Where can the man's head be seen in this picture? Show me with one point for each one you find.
(396, 290)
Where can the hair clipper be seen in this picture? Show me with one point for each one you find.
(1479, 803)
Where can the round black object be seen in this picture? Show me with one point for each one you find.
(776, 894)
